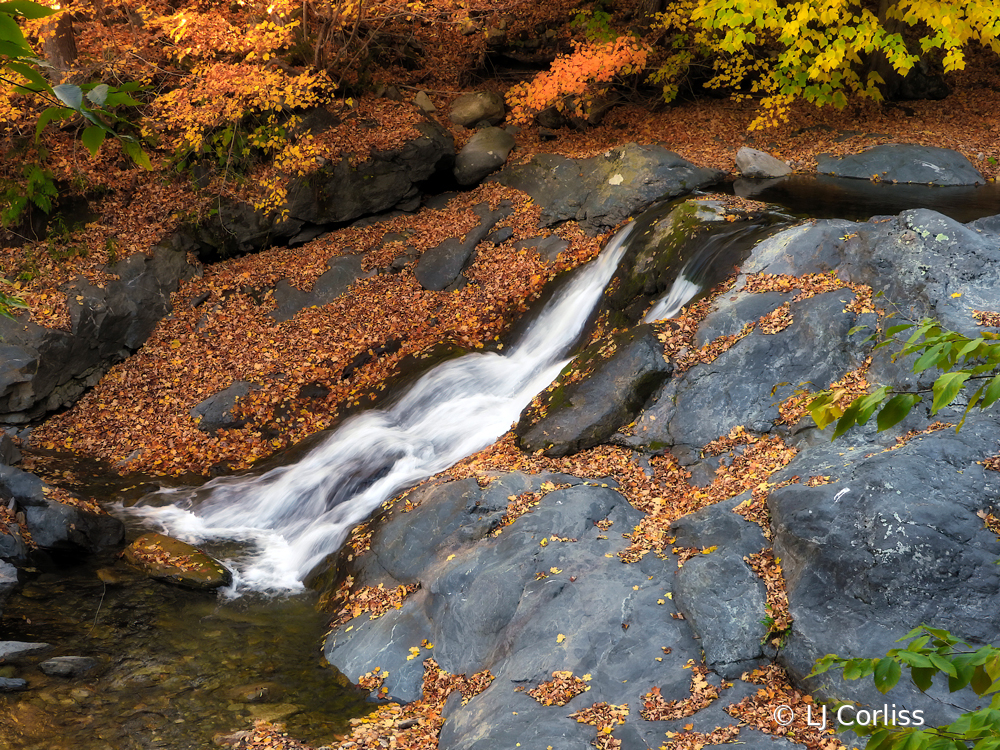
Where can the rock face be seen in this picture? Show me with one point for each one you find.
(904, 163)
(603, 191)
(759, 164)
(338, 193)
(172, 560)
(876, 533)
(44, 369)
(440, 266)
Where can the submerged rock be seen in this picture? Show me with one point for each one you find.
(67, 666)
(172, 560)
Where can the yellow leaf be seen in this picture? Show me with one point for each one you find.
(560, 638)
(956, 295)
(555, 570)
(544, 541)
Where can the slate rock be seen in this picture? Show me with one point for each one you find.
(217, 412)
(440, 266)
(614, 387)
(709, 400)
(67, 666)
(759, 164)
(485, 152)
(10, 454)
(547, 247)
(12, 652)
(904, 163)
(55, 525)
(470, 109)
(603, 191)
(893, 542)
(483, 603)
(12, 684)
(44, 369)
(342, 271)
(174, 561)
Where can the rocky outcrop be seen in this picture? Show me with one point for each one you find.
(904, 163)
(603, 191)
(760, 165)
(45, 369)
(440, 266)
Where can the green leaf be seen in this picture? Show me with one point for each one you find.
(893, 330)
(32, 74)
(70, 95)
(135, 152)
(896, 410)
(92, 138)
(50, 114)
(848, 420)
(11, 33)
(25, 8)
(943, 664)
(947, 387)
(992, 392)
(887, 674)
(99, 94)
(922, 677)
(914, 659)
(980, 681)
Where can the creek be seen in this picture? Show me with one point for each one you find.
(177, 667)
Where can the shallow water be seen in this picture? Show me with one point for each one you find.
(176, 667)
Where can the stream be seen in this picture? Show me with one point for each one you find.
(177, 667)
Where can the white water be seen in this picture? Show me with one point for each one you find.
(294, 516)
(681, 292)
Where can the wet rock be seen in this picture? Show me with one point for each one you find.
(258, 692)
(517, 606)
(12, 684)
(67, 666)
(904, 163)
(12, 652)
(603, 191)
(596, 394)
(172, 560)
(485, 152)
(8, 579)
(759, 164)
(10, 454)
(53, 524)
(273, 712)
(218, 412)
(45, 369)
(481, 106)
(440, 266)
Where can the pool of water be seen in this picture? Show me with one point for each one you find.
(175, 667)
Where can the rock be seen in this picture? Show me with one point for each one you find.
(336, 194)
(485, 152)
(893, 542)
(12, 652)
(45, 369)
(597, 393)
(8, 578)
(172, 560)
(758, 164)
(9, 452)
(258, 692)
(603, 191)
(12, 684)
(272, 712)
(547, 247)
(440, 266)
(904, 163)
(481, 106)
(708, 401)
(343, 271)
(67, 666)
(217, 412)
(424, 102)
(53, 525)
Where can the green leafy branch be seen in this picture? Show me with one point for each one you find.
(932, 652)
(962, 360)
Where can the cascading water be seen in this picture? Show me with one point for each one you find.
(294, 516)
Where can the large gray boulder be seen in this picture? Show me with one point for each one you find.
(470, 109)
(895, 162)
(603, 191)
(759, 164)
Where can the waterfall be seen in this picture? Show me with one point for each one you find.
(292, 517)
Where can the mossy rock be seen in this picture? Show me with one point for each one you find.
(172, 560)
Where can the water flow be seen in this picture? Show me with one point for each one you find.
(294, 516)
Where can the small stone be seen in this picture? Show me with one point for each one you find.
(67, 666)
(11, 651)
(12, 684)
(172, 560)
(424, 102)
